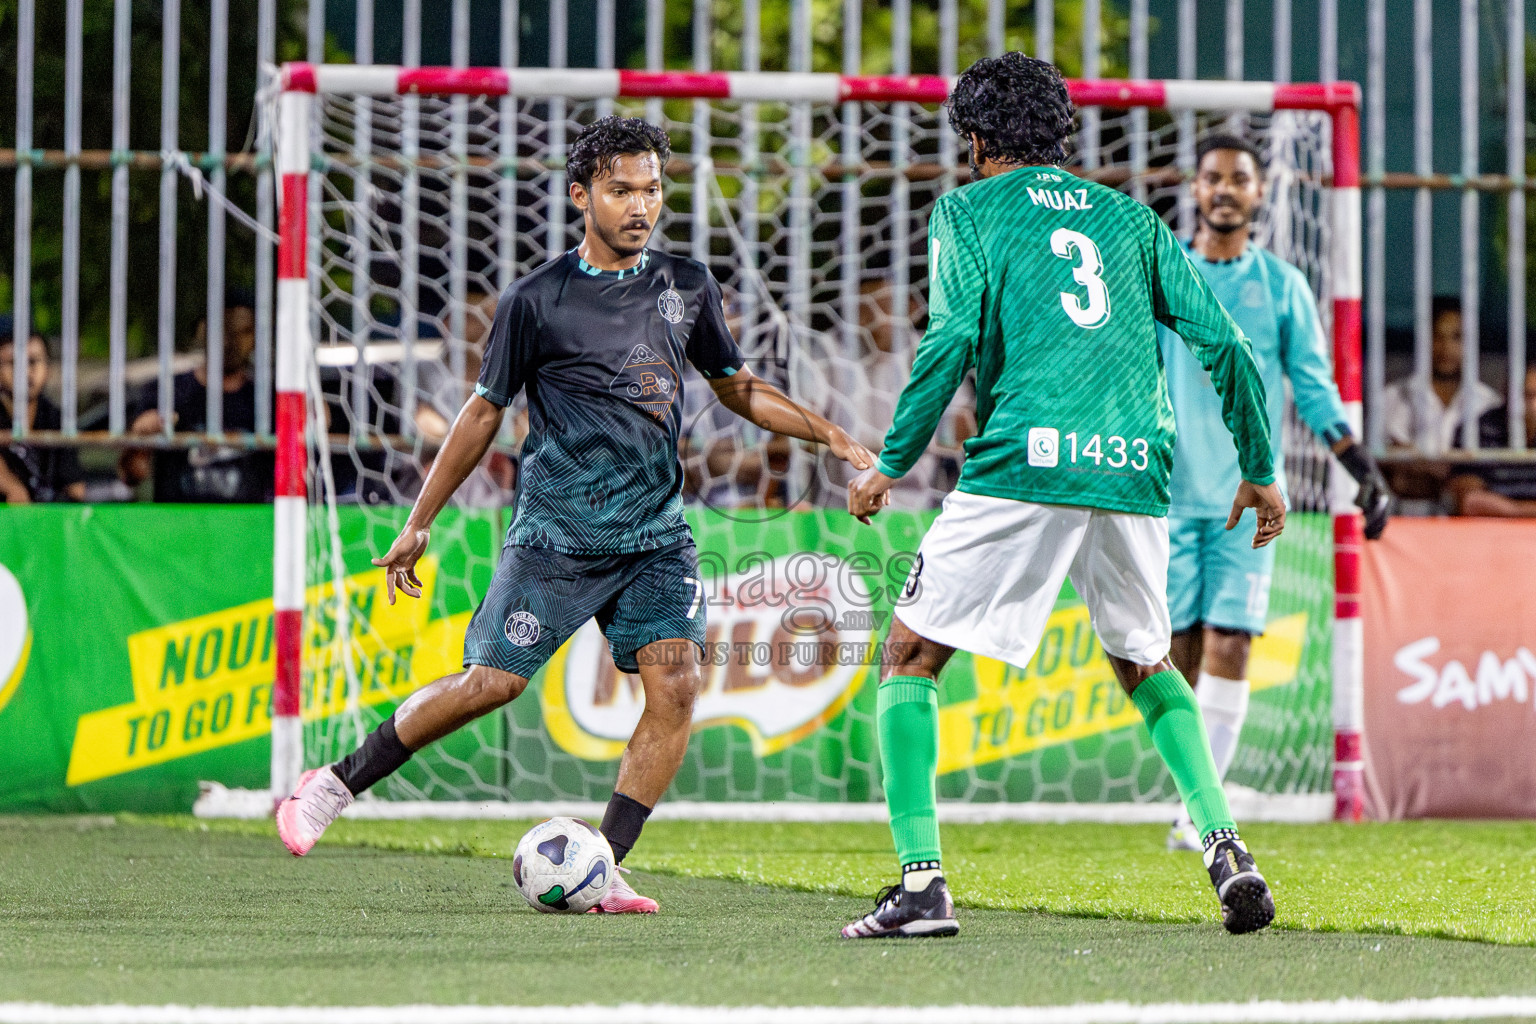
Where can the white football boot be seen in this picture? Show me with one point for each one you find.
(303, 818)
(1182, 836)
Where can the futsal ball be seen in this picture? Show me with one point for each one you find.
(563, 866)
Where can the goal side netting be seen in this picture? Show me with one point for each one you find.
(413, 197)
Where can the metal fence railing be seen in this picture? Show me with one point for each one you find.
(1414, 106)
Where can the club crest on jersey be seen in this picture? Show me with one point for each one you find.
(671, 306)
(522, 629)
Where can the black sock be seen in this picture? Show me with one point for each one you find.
(380, 756)
(622, 823)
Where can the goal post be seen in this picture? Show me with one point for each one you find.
(432, 164)
(290, 513)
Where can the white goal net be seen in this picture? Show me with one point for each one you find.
(813, 216)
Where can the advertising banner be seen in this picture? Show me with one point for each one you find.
(137, 645)
(113, 606)
(1450, 673)
(136, 659)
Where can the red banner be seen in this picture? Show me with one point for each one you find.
(1450, 669)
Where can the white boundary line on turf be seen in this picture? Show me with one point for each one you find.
(1341, 1011)
(1247, 806)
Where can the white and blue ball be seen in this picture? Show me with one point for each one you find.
(563, 866)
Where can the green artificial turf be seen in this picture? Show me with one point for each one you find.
(97, 910)
(1460, 880)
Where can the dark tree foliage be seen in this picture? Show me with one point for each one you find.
(144, 186)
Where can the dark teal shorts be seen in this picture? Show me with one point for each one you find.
(539, 598)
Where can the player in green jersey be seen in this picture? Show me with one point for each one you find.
(1051, 287)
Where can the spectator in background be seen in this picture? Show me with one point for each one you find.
(860, 396)
(730, 465)
(1428, 417)
(1501, 489)
(729, 462)
(207, 472)
(439, 397)
(33, 473)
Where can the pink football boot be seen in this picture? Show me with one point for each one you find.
(621, 899)
(303, 818)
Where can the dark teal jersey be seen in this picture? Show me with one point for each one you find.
(600, 354)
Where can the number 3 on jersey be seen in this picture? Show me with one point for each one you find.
(1066, 243)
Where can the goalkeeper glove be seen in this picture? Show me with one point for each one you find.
(1374, 499)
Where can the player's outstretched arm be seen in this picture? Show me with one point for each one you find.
(752, 398)
(957, 281)
(1304, 352)
(1269, 504)
(466, 444)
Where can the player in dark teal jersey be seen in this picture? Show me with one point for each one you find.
(597, 337)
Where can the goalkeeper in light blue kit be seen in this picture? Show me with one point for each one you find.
(1218, 584)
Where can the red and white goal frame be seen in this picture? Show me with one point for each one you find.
(300, 82)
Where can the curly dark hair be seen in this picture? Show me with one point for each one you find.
(1017, 106)
(1221, 140)
(604, 140)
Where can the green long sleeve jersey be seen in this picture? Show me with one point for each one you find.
(1051, 287)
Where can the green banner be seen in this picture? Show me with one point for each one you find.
(136, 659)
(90, 578)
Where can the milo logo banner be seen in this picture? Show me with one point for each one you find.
(781, 659)
(137, 658)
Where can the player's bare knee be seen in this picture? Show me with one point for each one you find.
(490, 688)
(903, 660)
(675, 703)
(1185, 650)
(671, 691)
(908, 654)
(1226, 652)
(1132, 674)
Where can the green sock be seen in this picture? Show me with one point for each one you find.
(1173, 718)
(907, 716)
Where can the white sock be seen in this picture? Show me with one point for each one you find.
(1224, 706)
(915, 878)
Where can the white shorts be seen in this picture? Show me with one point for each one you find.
(990, 570)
